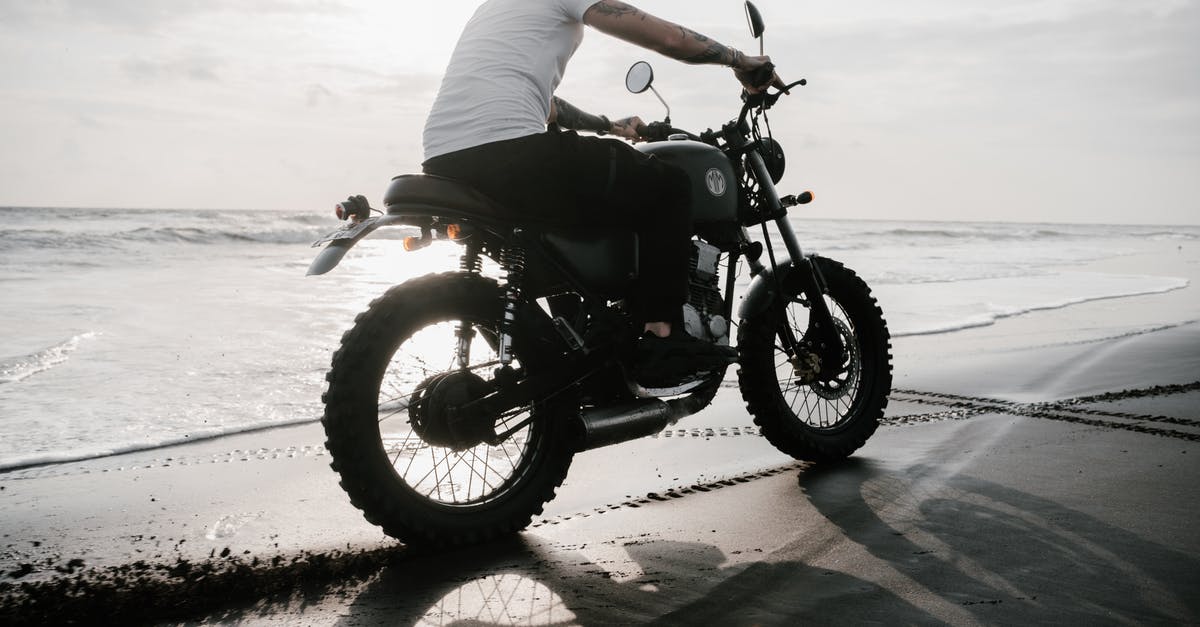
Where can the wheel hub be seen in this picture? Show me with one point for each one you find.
(806, 365)
(840, 381)
(435, 413)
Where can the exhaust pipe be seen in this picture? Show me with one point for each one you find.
(603, 426)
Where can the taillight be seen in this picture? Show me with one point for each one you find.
(353, 208)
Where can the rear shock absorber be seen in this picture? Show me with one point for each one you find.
(512, 261)
(470, 261)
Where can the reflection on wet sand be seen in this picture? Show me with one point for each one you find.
(979, 545)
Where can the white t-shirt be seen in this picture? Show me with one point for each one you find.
(504, 70)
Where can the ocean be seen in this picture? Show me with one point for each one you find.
(126, 330)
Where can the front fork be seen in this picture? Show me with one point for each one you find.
(821, 338)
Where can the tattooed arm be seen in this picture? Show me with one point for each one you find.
(678, 42)
(571, 117)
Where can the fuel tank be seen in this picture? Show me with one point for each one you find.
(714, 187)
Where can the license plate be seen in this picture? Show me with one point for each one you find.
(349, 232)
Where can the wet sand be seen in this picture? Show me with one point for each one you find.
(1043, 470)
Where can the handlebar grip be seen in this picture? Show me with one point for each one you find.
(763, 75)
(655, 131)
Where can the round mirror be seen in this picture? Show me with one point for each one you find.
(639, 78)
(754, 18)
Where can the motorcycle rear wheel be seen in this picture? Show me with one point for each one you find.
(394, 456)
(819, 420)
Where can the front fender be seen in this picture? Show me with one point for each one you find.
(341, 241)
(762, 290)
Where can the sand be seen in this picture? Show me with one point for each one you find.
(1042, 470)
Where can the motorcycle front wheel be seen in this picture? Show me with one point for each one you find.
(830, 418)
(420, 350)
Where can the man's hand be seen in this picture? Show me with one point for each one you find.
(746, 69)
(627, 128)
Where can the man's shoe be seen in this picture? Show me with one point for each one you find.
(665, 361)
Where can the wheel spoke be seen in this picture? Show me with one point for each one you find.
(410, 459)
(437, 478)
(470, 477)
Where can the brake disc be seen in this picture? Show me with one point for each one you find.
(844, 380)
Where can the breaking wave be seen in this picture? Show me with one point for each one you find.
(19, 368)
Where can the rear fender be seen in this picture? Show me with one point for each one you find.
(341, 241)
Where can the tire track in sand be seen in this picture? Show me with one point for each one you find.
(961, 407)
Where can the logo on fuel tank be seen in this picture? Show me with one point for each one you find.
(715, 181)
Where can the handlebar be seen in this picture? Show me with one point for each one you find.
(661, 131)
(766, 99)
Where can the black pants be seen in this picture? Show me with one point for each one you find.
(571, 181)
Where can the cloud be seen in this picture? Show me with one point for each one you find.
(407, 86)
(189, 67)
(87, 121)
(141, 14)
(317, 93)
(1082, 72)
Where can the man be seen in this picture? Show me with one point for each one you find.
(488, 128)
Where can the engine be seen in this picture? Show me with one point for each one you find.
(703, 313)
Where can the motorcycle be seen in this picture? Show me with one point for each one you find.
(457, 401)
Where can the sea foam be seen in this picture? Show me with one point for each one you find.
(934, 308)
(19, 368)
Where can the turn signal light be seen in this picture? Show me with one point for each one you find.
(339, 211)
(791, 200)
(454, 231)
(412, 243)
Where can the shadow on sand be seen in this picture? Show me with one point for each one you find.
(530, 585)
(953, 549)
(1002, 554)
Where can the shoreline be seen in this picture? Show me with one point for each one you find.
(1026, 471)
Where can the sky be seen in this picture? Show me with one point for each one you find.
(1025, 110)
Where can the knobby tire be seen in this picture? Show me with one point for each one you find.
(785, 411)
(368, 472)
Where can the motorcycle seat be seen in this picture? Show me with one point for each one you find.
(430, 195)
(605, 259)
